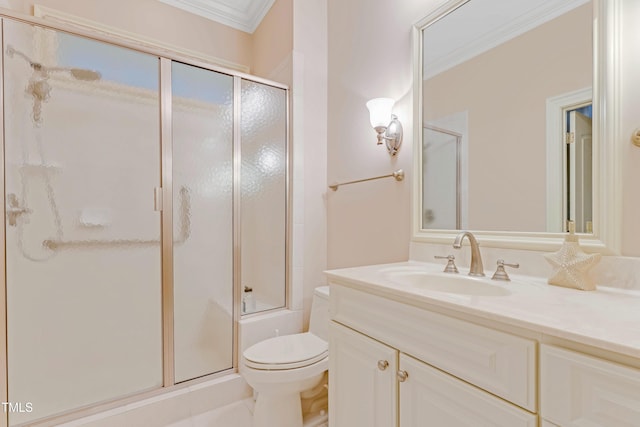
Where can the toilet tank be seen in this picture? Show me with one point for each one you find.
(319, 321)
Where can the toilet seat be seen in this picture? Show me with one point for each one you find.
(286, 352)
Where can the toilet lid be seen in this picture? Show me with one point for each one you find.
(286, 352)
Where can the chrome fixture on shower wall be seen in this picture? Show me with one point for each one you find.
(38, 86)
(184, 229)
(15, 209)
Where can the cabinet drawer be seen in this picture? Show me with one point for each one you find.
(498, 362)
(431, 398)
(580, 390)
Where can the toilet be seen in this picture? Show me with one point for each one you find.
(280, 368)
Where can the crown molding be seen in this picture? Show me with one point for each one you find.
(243, 15)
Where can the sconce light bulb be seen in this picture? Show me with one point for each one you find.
(380, 111)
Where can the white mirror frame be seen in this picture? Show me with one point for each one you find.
(607, 198)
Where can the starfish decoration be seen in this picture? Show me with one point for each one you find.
(571, 265)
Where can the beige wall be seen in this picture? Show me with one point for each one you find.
(309, 116)
(273, 43)
(157, 20)
(504, 92)
(369, 56)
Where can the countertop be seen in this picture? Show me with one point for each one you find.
(607, 318)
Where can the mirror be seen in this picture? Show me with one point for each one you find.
(513, 139)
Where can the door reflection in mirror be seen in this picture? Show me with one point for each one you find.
(578, 206)
(445, 184)
(441, 186)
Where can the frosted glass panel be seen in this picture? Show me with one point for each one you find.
(203, 220)
(83, 253)
(263, 208)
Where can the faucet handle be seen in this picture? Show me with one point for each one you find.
(501, 273)
(451, 265)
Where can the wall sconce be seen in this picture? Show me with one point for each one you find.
(389, 132)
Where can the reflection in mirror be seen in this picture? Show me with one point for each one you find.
(504, 87)
(579, 167)
(441, 189)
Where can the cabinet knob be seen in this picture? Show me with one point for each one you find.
(402, 376)
(382, 364)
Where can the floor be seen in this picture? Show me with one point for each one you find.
(238, 414)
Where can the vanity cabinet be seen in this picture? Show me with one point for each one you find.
(400, 357)
(374, 341)
(373, 384)
(579, 390)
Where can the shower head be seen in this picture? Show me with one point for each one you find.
(84, 74)
(77, 73)
(38, 86)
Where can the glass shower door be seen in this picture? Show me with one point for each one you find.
(202, 110)
(83, 253)
(263, 173)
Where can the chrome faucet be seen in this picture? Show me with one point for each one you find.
(476, 268)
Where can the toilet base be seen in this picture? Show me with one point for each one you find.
(279, 402)
(282, 410)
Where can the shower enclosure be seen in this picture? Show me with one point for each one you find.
(141, 195)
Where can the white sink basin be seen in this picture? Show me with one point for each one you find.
(447, 283)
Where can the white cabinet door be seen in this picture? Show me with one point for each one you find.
(545, 423)
(362, 380)
(431, 398)
(501, 363)
(579, 390)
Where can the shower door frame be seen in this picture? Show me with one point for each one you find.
(166, 57)
(4, 372)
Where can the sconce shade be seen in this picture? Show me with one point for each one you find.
(380, 111)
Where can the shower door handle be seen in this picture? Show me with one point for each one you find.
(157, 199)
